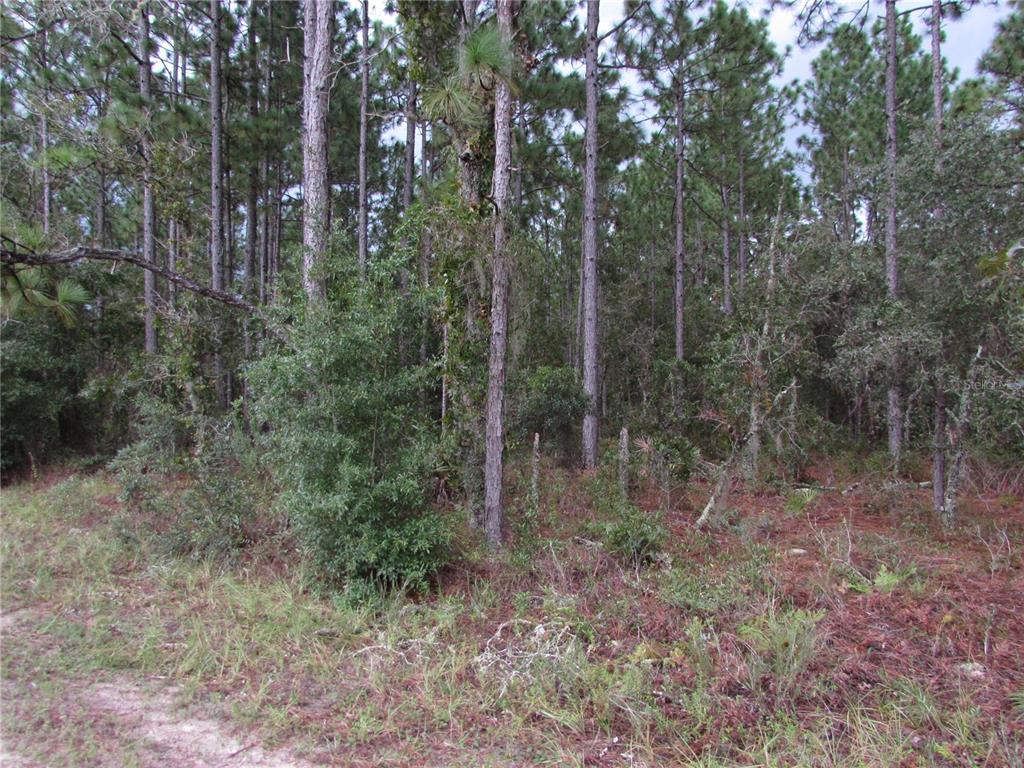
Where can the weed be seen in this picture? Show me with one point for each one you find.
(782, 643)
(800, 500)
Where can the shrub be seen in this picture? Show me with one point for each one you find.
(636, 536)
(352, 448)
(223, 498)
(552, 402)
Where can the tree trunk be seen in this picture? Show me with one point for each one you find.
(895, 411)
(937, 101)
(172, 224)
(364, 97)
(495, 429)
(265, 233)
(252, 196)
(845, 193)
(409, 178)
(624, 463)
(589, 277)
(680, 222)
(726, 254)
(148, 211)
(44, 130)
(939, 452)
(425, 248)
(216, 159)
(469, 162)
(315, 90)
(741, 224)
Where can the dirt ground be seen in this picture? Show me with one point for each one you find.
(145, 721)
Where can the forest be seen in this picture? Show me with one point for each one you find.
(512, 383)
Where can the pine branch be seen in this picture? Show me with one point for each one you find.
(11, 254)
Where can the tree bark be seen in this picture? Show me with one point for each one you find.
(937, 100)
(44, 131)
(680, 221)
(216, 158)
(409, 178)
(217, 197)
(741, 224)
(589, 277)
(939, 452)
(895, 410)
(315, 89)
(252, 196)
(364, 98)
(726, 253)
(173, 236)
(495, 428)
(148, 209)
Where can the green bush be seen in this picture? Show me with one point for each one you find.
(552, 402)
(223, 497)
(351, 446)
(635, 536)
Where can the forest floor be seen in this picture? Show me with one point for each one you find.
(836, 626)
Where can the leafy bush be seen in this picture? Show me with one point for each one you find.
(552, 403)
(636, 536)
(224, 497)
(353, 450)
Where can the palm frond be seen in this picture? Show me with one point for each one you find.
(70, 292)
(453, 104)
(484, 56)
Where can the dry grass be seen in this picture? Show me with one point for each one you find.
(727, 650)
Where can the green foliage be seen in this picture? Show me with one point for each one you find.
(353, 451)
(636, 537)
(782, 643)
(224, 498)
(552, 402)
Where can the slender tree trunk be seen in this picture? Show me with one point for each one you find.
(172, 224)
(252, 195)
(939, 452)
(265, 234)
(315, 89)
(845, 192)
(741, 224)
(216, 196)
(425, 248)
(216, 158)
(469, 162)
(589, 277)
(939, 438)
(680, 222)
(895, 411)
(409, 178)
(364, 98)
(937, 100)
(726, 254)
(495, 429)
(44, 129)
(148, 212)
(100, 227)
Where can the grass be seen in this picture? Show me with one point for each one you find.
(716, 655)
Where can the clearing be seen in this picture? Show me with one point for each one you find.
(834, 627)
